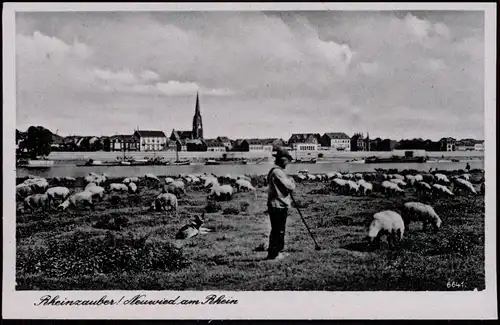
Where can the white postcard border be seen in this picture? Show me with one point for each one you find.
(257, 304)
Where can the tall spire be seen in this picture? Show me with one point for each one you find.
(197, 123)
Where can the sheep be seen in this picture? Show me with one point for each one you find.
(398, 182)
(210, 182)
(428, 178)
(352, 188)
(418, 178)
(391, 188)
(126, 181)
(465, 176)
(96, 191)
(331, 175)
(82, 198)
(358, 176)
(118, 187)
(38, 185)
(23, 191)
(360, 181)
(311, 177)
(387, 223)
(338, 183)
(176, 187)
(410, 179)
(348, 176)
(165, 202)
(416, 211)
(441, 178)
(169, 180)
(221, 192)
(152, 177)
(95, 179)
(464, 186)
(37, 201)
(89, 185)
(58, 192)
(301, 177)
(397, 176)
(438, 189)
(244, 177)
(366, 188)
(422, 187)
(132, 187)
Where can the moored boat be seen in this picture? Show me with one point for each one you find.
(35, 163)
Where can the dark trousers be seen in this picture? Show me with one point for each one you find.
(277, 236)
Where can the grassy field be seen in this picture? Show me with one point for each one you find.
(64, 251)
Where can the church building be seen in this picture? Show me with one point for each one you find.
(191, 140)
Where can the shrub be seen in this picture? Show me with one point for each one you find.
(113, 222)
(212, 207)
(231, 211)
(81, 254)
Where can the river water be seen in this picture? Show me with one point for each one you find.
(250, 169)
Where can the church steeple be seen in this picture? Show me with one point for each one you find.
(197, 123)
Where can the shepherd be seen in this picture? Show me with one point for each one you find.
(467, 167)
(278, 202)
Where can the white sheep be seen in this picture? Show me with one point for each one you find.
(165, 202)
(151, 177)
(441, 178)
(338, 183)
(418, 178)
(37, 185)
(58, 193)
(358, 176)
(132, 187)
(37, 201)
(397, 176)
(366, 188)
(221, 192)
(416, 211)
(96, 191)
(399, 182)
(423, 187)
(126, 181)
(118, 187)
(388, 223)
(351, 187)
(176, 187)
(410, 179)
(438, 189)
(82, 198)
(301, 177)
(89, 185)
(169, 180)
(23, 191)
(465, 176)
(391, 188)
(311, 177)
(464, 186)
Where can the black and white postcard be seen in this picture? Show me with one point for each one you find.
(249, 160)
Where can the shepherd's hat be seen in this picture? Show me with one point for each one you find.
(280, 152)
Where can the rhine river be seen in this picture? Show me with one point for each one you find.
(250, 169)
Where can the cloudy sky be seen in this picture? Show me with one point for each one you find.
(260, 74)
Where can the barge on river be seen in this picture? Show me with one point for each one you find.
(395, 159)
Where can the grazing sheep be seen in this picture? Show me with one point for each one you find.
(428, 178)
(89, 185)
(78, 199)
(465, 176)
(391, 188)
(441, 178)
(35, 201)
(210, 182)
(418, 178)
(118, 187)
(438, 190)
(37, 185)
(366, 188)
(191, 229)
(301, 177)
(358, 176)
(416, 211)
(169, 180)
(94, 179)
(58, 193)
(422, 187)
(388, 223)
(338, 184)
(463, 185)
(399, 182)
(151, 177)
(134, 179)
(397, 176)
(221, 192)
(132, 187)
(165, 202)
(96, 191)
(23, 191)
(352, 188)
(126, 181)
(410, 179)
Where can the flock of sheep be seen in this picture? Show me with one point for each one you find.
(35, 192)
(390, 223)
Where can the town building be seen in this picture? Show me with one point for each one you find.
(150, 140)
(305, 141)
(336, 140)
(214, 145)
(360, 143)
(124, 142)
(226, 142)
(447, 144)
(271, 144)
(479, 145)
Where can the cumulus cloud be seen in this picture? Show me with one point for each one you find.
(328, 71)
